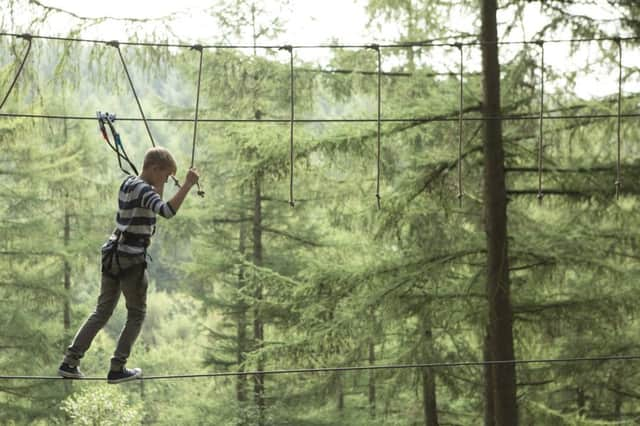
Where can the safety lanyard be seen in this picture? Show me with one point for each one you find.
(116, 146)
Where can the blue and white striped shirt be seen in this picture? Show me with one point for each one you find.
(138, 205)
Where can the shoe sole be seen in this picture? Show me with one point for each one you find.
(124, 379)
(67, 375)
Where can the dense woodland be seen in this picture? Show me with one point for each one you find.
(242, 281)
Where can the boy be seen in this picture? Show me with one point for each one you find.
(124, 262)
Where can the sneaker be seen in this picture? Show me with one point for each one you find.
(124, 375)
(69, 372)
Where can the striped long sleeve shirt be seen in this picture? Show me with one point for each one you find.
(138, 205)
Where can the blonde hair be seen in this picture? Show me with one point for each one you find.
(160, 157)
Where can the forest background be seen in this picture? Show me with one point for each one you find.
(242, 281)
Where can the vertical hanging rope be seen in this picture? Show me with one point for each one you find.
(291, 96)
(460, 123)
(28, 38)
(376, 47)
(541, 122)
(195, 121)
(116, 44)
(618, 181)
(289, 49)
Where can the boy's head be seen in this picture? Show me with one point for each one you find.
(159, 164)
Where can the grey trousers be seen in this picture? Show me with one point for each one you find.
(132, 281)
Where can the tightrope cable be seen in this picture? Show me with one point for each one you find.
(450, 364)
(416, 120)
(28, 38)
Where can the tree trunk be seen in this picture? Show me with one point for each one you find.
(241, 336)
(372, 379)
(339, 393)
(489, 405)
(429, 397)
(430, 407)
(258, 325)
(498, 295)
(581, 400)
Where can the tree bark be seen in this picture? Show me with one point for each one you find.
(581, 400)
(429, 403)
(495, 200)
(339, 393)
(429, 397)
(372, 378)
(489, 412)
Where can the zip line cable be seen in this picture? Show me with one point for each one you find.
(28, 38)
(451, 364)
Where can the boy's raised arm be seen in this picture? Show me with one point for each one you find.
(178, 198)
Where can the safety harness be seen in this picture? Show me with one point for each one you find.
(112, 253)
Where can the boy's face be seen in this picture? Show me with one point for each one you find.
(161, 174)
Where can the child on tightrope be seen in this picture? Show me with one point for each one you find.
(124, 262)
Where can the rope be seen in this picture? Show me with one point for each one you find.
(407, 44)
(619, 137)
(24, 59)
(506, 117)
(291, 121)
(195, 121)
(116, 44)
(451, 364)
(376, 47)
(541, 128)
(460, 124)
